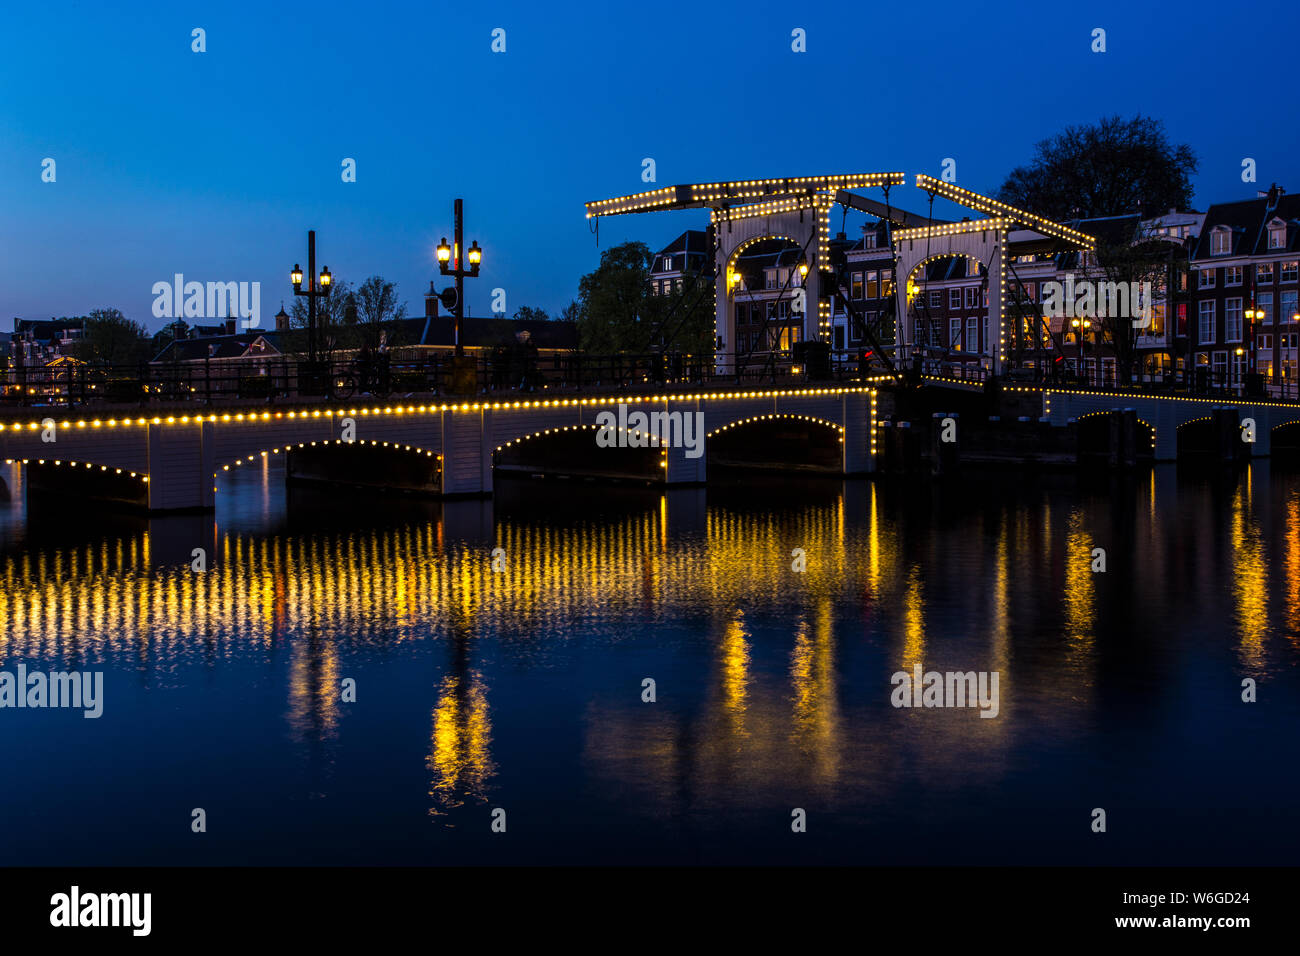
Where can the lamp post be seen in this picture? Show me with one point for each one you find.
(1290, 353)
(312, 293)
(1080, 327)
(450, 264)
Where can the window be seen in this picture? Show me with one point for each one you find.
(1232, 320)
(873, 285)
(1206, 330)
(839, 337)
(1264, 306)
(856, 287)
(954, 298)
(1265, 341)
(1182, 319)
(986, 304)
(954, 334)
(972, 334)
(988, 343)
(1277, 234)
(1289, 271)
(936, 299)
(1031, 291)
(869, 241)
(855, 333)
(1221, 241)
(972, 269)
(1264, 273)
(1232, 275)
(1288, 309)
(971, 293)
(934, 331)
(1205, 279)
(668, 264)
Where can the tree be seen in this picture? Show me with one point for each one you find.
(611, 299)
(616, 311)
(377, 310)
(332, 319)
(110, 338)
(1147, 262)
(526, 313)
(1110, 168)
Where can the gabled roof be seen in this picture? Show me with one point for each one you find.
(221, 347)
(689, 252)
(1247, 222)
(45, 330)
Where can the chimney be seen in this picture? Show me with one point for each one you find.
(431, 302)
(1274, 194)
(230, 325)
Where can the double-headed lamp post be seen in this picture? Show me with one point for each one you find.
(312, 293)
(1080, 327)
(450, 264)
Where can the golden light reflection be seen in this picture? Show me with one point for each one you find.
(1291, 568)
(1079, 596)
(734, 656)
(913, 621)
(1249, 578)
(460, 757)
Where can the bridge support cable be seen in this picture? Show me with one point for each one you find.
(762, 332)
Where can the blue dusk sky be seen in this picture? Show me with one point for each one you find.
(216, 164)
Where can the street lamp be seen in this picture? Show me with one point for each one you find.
(1239, 353)
(449, 264)
(312, 293)
(1286, 369)
(1080, 327)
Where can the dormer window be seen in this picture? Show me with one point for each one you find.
(1220, 241)
(668, 264)
(1277, 234)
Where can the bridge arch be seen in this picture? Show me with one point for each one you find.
(382, 464)
(777, 441)
(1094, 435)
(66, 481)
(576, 451)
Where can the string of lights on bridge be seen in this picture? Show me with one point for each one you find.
(144, 479)
(253, 418)
(396, 446)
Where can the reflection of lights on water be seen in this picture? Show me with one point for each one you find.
(459, 757)
(1249, 577)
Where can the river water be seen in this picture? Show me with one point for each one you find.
(517, 696)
